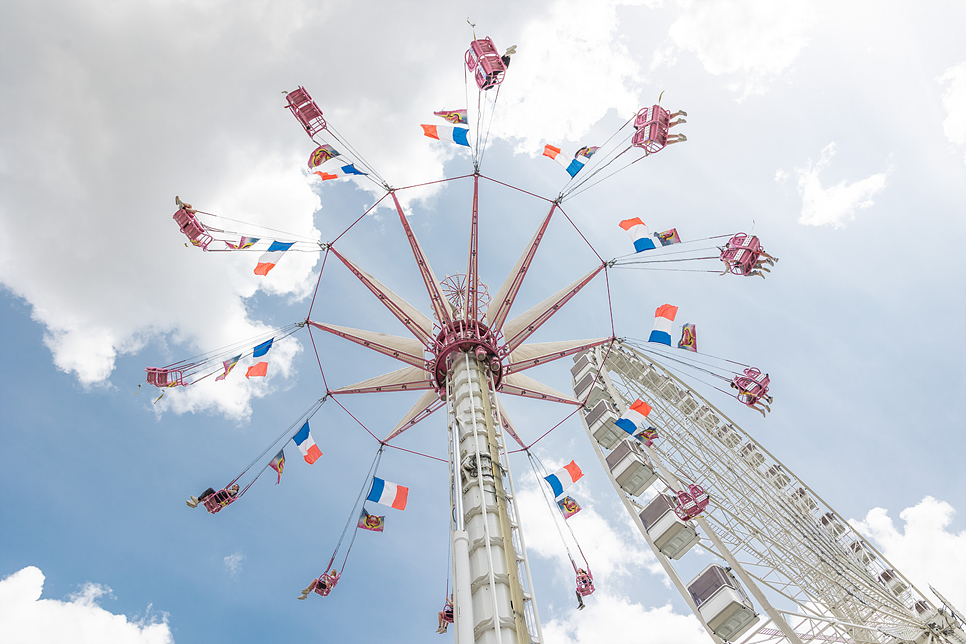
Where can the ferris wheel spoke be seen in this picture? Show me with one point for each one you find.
(441, 307)
(526, 356)
(405, 379)
(526, 324)
(428, 403)
(404, 349)
(517, 384)
(504, 298)
(417, 323)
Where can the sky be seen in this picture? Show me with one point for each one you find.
(835, 131)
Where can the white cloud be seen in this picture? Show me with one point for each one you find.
(748, 40)
(233, 564)
(954, 100)
(836, 204)
(25, 618)
(923, 548)
(592, 74)
(781, 176)
(611, 618)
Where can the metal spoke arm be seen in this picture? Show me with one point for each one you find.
(441, 307)
(404, 349)
(504, 298)
(417, 323)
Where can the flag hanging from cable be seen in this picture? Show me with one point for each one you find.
(663, 318)
(457, 135)
(322, 154)
(571, 164)
(689, 338)
(229, 365)
(243, 243)
(306, 444)
(271, 257)
(260, 368)
(278, 464)
(338, 172)
(456, 117)
(637, 231)
(568, 507)
(563, 478)
(386, 493)
(634, 417)
(371, 522)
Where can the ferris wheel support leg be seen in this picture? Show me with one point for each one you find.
(749, 583)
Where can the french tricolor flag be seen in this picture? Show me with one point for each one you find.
(458, 135)
(634, 417)
(663, 318)
(395, 496)
(338, 172)
(260, 368)
(569, 163)
(637, 231)
(306, 444)
(562, 479)
(272, 256)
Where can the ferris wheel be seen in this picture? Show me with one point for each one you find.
(691, 478)
(809, 574)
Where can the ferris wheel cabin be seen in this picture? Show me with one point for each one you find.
(631, 467)
(722, 603)
(305, 111)
(193, 229)
(602, 422)
(672, 536)
(485, 63)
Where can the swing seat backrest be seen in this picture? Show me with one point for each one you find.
(326, 583)
(192, 228)
(585, 585)
(218, 501)
(448, 614)
(652, 128)
(701, 498)
(164, 377)
(742, 253)
(305, 109)
(483, 60)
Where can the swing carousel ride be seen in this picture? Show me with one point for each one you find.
(786, 567)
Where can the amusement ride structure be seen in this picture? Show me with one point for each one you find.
(787, 567)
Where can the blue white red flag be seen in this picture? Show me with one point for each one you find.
(637, 231)
(457, 135)
(260, 368)
(305, 443)
(386, 493)
(563, 478)
(663, 318)
(571, 164)
(634, 417)
(271, 257)
(338, 172)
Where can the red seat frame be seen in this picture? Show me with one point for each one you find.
(742, 253)
(325, 583)
(652, 129)
(753, 385)
(691, 502)
(218, 501)
(193, 228)
(483, 60)
(165, 377)
(304, 108)
(585, 584)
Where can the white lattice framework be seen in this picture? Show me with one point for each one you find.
(809, 571)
